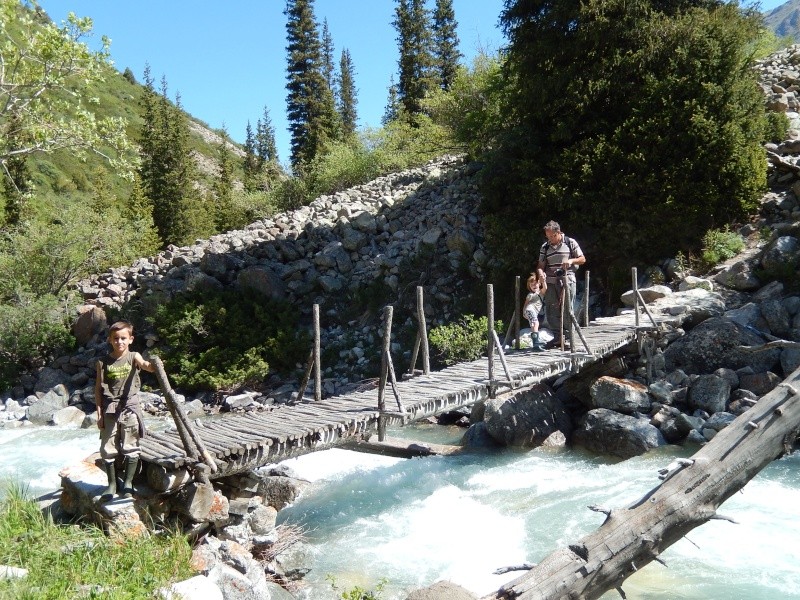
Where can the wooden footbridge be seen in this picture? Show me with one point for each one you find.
(237, 442)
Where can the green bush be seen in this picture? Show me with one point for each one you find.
(227, 339)
(720, 245)
(461, 341)
(776, 127)
(33, 331)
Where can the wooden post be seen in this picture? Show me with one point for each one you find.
(317, 358)
(301, 390)
(185, 429)
(517, 312)
(562, 281)
(586, 300)
(423, 331)
(635, 284)
(490, 336)
(387, 347)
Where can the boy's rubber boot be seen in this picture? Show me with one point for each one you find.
(536, 344)
(131, 463)
(111, 489)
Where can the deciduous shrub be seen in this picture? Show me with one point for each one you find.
(227, 339)
(32, 332)
(460, 341)
(720, 245)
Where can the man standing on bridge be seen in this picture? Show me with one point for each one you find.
(559, 259)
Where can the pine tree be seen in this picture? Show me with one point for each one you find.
(392, 110)
(445, 43)
(328, 68)
(266, 149)
(138, 216)
(310, 105)
(250, 161)
(412, 21)
(224, 217)
(167, 169)
(626, 103)
(347, 100)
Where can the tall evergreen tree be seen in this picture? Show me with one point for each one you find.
(167, 170)
(250, 160)
(347, 100)
(138, 215)
(224, 218)
(392, 110)
(626, 119)
(266, 149)
(310, 105)
(445, 43)
(328, 68)
(413, 24)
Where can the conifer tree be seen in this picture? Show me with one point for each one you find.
(347, 100)
(310, 105)
(328, 68)
(250, 161)
(392, 109)
(266, 149)
(224, 218)
(167, 170)
(445, 43)
(138, 215)
(413, 24)
(626, 103)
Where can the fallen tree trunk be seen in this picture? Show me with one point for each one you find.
(689, 496)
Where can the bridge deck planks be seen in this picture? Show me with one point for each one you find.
(238, 439)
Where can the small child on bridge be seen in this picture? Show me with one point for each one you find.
(119, 416)
(534, 302)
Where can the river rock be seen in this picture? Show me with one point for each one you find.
(713, 344)
(41, 411)
(622, 395)
(526, 419)
(196, 588)
(608, 432)
(709, 393)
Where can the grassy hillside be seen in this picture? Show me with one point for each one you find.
(63, 177)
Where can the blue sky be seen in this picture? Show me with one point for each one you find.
(228, 59)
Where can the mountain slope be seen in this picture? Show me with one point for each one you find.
(784, 20)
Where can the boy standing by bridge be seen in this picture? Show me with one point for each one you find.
(559, 258)
(119, 416)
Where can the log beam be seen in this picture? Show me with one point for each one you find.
(690, 495)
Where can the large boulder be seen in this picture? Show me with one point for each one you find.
(714, 344)
(622, 395)
(709, 393)
(41, 411)
(526, 419)
(608, 432)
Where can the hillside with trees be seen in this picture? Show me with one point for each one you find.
(624, 120)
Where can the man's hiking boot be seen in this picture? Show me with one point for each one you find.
(131, 463)
(111, 488)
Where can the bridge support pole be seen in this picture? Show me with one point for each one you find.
(422, 338)
(385, 356)
(317, 358)
(490, 337)
(586, 300)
